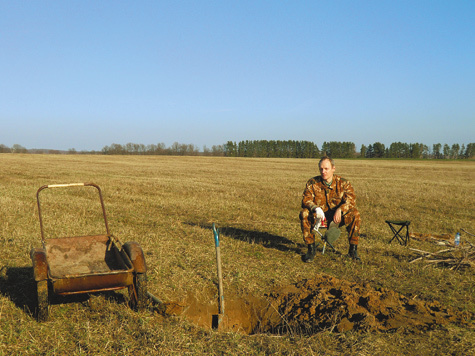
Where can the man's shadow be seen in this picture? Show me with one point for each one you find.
(255, 237)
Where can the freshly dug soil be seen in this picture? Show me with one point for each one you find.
(322, 303)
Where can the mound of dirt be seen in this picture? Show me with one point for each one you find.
(323, 303)
(327, 303)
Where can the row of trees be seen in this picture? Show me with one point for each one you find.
(264, 148)
(339, 149)
(418, 150)
(280, 149)
(335, 149)
(16, 148)
(177, 149)
(127, 149)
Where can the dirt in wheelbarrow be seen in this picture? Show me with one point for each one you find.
(319, 304)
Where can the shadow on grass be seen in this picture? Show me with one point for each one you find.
(18, 284)
(255, 237)
(398, 256)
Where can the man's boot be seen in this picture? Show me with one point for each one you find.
(353, 252)
(308, 257)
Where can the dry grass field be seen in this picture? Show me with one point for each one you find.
(168, 205)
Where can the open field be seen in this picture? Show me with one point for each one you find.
(168, 205)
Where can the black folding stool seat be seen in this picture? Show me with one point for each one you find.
(396, 227)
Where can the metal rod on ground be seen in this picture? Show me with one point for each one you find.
(154, 298)
(220, 276)
(467, 232)
(324, 241)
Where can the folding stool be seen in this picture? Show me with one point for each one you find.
(396, 227)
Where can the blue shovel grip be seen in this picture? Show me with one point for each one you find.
(216, 236)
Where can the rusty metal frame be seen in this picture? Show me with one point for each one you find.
(70, 185)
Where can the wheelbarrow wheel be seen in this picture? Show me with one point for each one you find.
(138, 292)
(42, 307)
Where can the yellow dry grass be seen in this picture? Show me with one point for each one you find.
(168, 205)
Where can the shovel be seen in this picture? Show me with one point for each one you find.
(217, 318)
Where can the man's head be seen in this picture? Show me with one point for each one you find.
(326, 167)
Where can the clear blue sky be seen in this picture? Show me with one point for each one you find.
(86, 74)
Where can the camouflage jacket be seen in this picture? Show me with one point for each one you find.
(339, 195)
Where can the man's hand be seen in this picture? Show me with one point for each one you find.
(320, 214)
(337, 216)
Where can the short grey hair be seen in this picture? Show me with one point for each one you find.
(324, 158)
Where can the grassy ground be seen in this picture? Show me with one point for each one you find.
(168, 205)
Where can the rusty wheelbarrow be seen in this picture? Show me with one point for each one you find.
(87, 264)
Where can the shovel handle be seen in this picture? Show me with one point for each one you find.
(220, 275)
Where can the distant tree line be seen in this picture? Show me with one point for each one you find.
(277, 149)
(264, 148)
(176, 149)
(418, 151)
(339, 149)
(14, 149)
(127, 149)
(335, 149)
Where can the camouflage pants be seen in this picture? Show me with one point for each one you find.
(351, 220)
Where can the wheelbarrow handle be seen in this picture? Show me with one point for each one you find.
(65, 185)
(70, 185)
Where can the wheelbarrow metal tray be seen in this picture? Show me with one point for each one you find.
(84, 264)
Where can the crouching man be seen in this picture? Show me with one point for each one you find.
(332, 198)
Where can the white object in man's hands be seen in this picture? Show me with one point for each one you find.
(320, 214)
